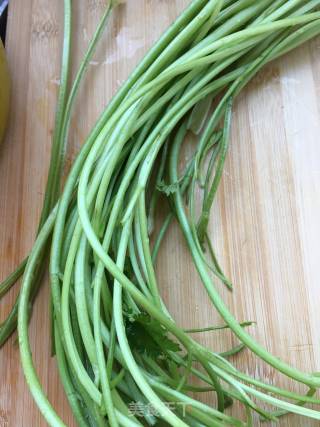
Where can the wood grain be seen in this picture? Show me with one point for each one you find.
(265, 223)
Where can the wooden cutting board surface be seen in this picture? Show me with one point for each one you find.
(265, 223)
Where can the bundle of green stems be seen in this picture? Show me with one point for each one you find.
(114, 340)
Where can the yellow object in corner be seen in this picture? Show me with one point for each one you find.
(4, 91)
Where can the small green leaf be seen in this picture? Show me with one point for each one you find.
(148, 336)
(168, 189)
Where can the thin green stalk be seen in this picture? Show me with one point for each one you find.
(67, 382)
(208, 201)
(23, 320)
(103, 368)
(7, 284)
(216, 328)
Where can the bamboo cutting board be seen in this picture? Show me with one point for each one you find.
(265, 224)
